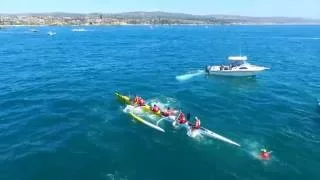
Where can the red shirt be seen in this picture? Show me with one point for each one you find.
(198, 123)
(136, 99)
(166, 113)
(265, 155)
(182, 119)
(141, 102)
(155, 109)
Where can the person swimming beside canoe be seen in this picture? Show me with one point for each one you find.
(264, 154)
(138, 100)
(155, 108)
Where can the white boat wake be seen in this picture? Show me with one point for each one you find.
(252, 148)
(79, 30)
(306, 38)
(188, 76)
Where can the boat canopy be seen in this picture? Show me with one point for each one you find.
(237, 58)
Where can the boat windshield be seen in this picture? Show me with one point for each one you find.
(236, 63)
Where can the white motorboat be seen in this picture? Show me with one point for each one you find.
(238, 67)
(50, 33)
(79, 30)
(34, 30)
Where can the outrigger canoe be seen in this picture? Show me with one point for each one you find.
(147, 108)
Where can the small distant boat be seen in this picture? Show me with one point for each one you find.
(50, 33)
(238, 67)
(34, 30)
(79, 30)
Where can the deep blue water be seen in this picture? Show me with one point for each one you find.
(59, 118)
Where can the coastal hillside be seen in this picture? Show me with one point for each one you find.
(140, 17)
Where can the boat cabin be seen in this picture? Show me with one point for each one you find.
(237, 60)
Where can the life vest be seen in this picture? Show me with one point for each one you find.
(182, 119)
(265, 155)
(197, 125)
(172, 112)
(136, 100)
(166, 113)
(141, 102)
(155, 109)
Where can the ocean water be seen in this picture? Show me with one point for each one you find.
(59, 118)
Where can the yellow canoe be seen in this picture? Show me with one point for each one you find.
(127, 100)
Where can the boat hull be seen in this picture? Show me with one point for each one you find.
(139, 119)
(235, 74)
(253, 71)
(214, 135)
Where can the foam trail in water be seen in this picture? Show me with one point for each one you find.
(253, 149)
(307, 38)
(190, 75)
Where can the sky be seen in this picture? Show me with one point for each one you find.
(288, 8)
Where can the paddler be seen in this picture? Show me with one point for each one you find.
(141, 102)
(166, 112)
(264, 154)
(155, 108)
(169, 112)
(182, 119)
(188, 116)
(198, 123)
(138, 100)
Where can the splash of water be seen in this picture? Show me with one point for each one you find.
(253, 149)
(132, 109)
(164, 102)
(190, 75)
(194, 133)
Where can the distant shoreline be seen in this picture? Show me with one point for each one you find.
(152, 25)
(144, 18)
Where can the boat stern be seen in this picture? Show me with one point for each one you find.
(207, 69)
